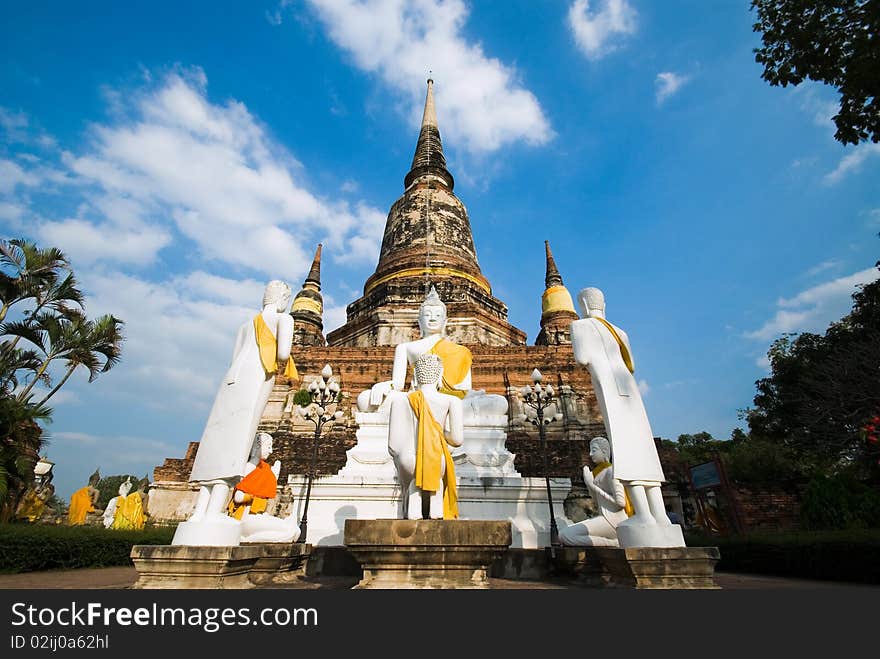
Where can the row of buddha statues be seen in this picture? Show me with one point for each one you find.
(426, 417)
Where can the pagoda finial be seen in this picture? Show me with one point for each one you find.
(429, 159)
(552, 278)
(314, 275)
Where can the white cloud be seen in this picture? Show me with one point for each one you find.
(170, 163)
(668, 83)
(12, 175)
(852, 162)
(79, 437)
(814, 309)
(481, 103)
(644, 387)
(874, 217)
(14, 124)
(595, 30)
(822, 267)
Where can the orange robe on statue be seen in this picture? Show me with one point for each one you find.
(80, 506)
(259, 486)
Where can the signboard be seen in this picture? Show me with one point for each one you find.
(705, 475)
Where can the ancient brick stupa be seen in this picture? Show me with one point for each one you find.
(427, 241)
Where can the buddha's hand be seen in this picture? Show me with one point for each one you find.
(588, 477)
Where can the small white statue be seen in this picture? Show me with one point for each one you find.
(605, 350)
(456, 360)
(251, 496)
(417, 441)
(610, 498)
(232, 424)
(110, 511)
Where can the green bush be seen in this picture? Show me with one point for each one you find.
(844, 555)
(302, 398)
(30, 547)
(839, 502)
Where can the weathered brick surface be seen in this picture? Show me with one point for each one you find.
(772, 507)
(177, 469)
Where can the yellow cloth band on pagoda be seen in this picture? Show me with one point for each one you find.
(556, 298)
(627, 359)
(434, 273)
(303, 303)
(431, 449)
(456, 362)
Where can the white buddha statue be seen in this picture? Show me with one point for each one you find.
(110, 511)
(605, 350)
(456, 360)
(251, 496)
(226, 443)
(418, 441)
(609, 496)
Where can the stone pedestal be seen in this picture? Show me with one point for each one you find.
(521, 501)
(489, 488)
(426, 553)
(683, 568)
(244, 566)
(631, 535)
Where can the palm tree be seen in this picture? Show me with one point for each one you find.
(103, 337)
(55, 336)
(34, 271)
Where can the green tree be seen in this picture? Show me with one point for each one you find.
(39, 290)
(823, 390)
(835, 42)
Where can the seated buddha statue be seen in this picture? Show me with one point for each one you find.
(456, 373)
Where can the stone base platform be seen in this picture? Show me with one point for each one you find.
(522, 501)
(683, 568)
(245, 566)
(426, 553)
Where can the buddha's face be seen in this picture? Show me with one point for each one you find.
(432, 319)
(265, 446)
(598, 453)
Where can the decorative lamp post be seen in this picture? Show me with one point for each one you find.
(537, 399)
(325, 394)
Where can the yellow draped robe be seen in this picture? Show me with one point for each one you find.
(624, 352)
(129, 513)
(628, 507)
(456, 364)
(80, 506)
(269, 350)
(31, 507)
(431, 450)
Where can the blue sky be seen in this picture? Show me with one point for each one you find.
(184, 155)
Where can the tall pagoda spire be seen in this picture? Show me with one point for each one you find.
(308, 308)
(552, 278)
(557, 309)
(429, 158)
(427, 241)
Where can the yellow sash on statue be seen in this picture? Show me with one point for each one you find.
(431, 450)
(129, 513)
(627, 358)
(456, 364)
(628, 507)
(269, 350)
(80, 506)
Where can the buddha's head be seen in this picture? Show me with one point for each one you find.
(262, 446)
(125, 487)
(277, 293)
(590, 300)
(428, 368)
(94, 478)
(432, 314)
(600, 450)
